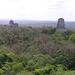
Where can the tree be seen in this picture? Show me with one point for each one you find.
(12, 67)
(38, 61)
(61, 58)
(72, 38)
(1, 72)
(48, 30)
(4, 58)
(10, 39)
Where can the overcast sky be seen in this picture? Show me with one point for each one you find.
(37, 9)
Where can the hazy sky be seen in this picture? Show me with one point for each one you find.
(37, 9)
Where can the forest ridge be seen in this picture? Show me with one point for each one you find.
(36, 51)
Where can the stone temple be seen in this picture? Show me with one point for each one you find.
(61, 25)
(13, 25)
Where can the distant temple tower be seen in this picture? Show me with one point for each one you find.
(13, 25)
(61, 25)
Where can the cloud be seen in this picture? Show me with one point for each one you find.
(37, 9)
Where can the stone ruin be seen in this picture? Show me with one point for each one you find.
(13, 25)
(61, 25)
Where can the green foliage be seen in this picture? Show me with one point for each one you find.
(12, 67)
(25, 73)
(61, 58)
(1, 41)
(48, 30)
(72, 62)
(61, 72)
(10, 39)
(23, 58)
(61, 67)
(69, 32)
(4, 58)
(12, 56)
(44, 70)
(36, 51)
(39, 60)
(58, 36)
(51, 70)
(69, 73)
(72, 38)
(1, 72)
